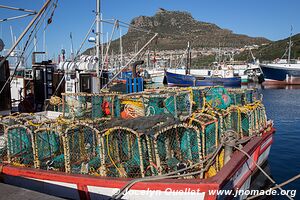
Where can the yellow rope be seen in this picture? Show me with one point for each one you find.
(204, 104)
(192, 118)
(191, 95)
(108, 152)
(132, 102)
(55, 100)
(34, 124)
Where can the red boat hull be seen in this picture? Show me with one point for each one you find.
(236, 173)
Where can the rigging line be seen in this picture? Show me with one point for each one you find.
(84, 40)
(126, 26)
(16, 17)
(137, 28)
(279, 185)
(265, 173)
(36, 17)
(37, 28)
(18, 9)
(43, 15)
(22, 54)
(117, 74)
(107, 48)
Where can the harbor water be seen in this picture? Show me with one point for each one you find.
(283, 106)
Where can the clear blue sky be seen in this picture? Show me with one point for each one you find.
(266, 18)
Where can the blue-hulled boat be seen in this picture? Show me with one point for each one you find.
(190, 80)
(282, 71)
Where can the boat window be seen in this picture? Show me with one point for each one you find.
(85, 83)
(38, 75)
(70, 86)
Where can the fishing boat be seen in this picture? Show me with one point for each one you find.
(282, 71)
(155, 144)
(190, 80)
(219, 76)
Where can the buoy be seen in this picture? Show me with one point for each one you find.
(105, 108)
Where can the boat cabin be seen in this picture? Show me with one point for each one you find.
(5, 103)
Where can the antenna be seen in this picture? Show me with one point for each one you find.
(72, 48)
(290, 45)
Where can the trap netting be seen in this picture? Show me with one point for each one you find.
(48, 149)
(248, 119)
(19, 145)
(4, 123)
(208, 126)
(123, 153)
(175, 147)
(242, 97)
(223, 118)
(3, 148)
(13, 120)
(196, 95)
(148, 146)
(107, 105)
(216, 97)
(156, 102)
(81, 149)
(90, 106)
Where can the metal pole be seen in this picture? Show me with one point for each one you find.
(102, 38)
(25, 31)
(125, 66)
(121, 48)
(290, 46)
(35, 43)
(98, 37)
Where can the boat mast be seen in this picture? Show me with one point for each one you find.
(188, 59)
(25, 31)
(121, 48)
(290, 46)
(98, 53)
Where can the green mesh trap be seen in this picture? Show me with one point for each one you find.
(19, 145)
(81, 149)
(49, 153)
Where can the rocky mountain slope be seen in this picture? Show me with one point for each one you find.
(176, 28)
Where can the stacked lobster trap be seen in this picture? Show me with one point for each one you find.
(160, 102)
(89, 106)
(247, 113)
(136, 135)
(149, 146)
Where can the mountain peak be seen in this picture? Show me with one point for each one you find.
(161, 10)
(176, 28)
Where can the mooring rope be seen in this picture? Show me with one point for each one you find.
(210, 159)
(265, 173)
(279, 185)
